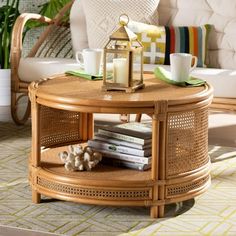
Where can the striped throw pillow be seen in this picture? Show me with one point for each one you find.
(160, 41)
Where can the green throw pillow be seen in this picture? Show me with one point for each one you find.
(160, 41)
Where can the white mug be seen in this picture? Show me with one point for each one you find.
(91, 60)
(180, 66)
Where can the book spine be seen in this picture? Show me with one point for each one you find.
(131, 165)
(121, 136)
(114, 148)
(125, 157)
(119, 142)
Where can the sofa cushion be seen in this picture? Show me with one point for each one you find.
(160, 41)
(31, 69)
(78, 27)
(222, 80)
(102, 17)
(220, 14)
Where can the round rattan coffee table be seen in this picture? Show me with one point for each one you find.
(62, 114)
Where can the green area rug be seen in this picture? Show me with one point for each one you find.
(213, 213)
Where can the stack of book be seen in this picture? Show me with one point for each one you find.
(125, 145)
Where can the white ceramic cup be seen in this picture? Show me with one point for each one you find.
(90, 60)
(180, 66)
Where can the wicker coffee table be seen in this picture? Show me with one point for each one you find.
(62, 114)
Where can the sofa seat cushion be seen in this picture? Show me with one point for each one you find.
(31, 69)
(222, 80)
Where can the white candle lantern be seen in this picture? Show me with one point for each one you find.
(123, 60)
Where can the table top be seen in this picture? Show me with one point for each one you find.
(75, 91)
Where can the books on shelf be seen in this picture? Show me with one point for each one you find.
(125, 145)
(97, 144)
(125, 157)
(139, 133)
(126, 164)
(106, 139)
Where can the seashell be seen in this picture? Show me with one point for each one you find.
(71, 157)
(89, 150)
(87, 156)
(96, 162)
(97, 156)
(78, 150)
(69, 167)
(77, 163)
(63, 156)
(92, 164)
(79, 158)
(80, 167)
(71, 148)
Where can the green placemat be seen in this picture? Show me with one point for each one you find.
(165, 75)
(83, 74)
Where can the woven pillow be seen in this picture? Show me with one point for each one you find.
(160, 41)
(102, 17)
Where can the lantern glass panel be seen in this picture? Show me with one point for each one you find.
(137, 67)
(117, 63)
(136, 48)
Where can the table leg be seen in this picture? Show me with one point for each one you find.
(155, 162)
(90, 126)
(86, 126)
(161, 190)
(36, 152)
(138, 118)
(158, 156)
(36, 197)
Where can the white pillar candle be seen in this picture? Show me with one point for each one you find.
(120, 70)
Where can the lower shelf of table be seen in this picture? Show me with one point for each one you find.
(107, 185)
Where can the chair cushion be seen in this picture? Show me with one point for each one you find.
(222, 80)
(78, 27)
(159, 41)
(102, 17)
(31, 69)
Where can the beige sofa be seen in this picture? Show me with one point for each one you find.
(221, 54)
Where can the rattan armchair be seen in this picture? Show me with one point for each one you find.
(55, 41)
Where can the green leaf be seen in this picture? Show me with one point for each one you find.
(49, 9)
(8, 14)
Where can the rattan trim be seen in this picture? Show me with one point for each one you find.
(94, 192)
(178, 190)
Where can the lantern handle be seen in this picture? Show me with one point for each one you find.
(123, 19)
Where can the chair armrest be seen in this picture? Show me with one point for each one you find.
(17, 35)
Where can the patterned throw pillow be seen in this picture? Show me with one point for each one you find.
(160, 41)
(102, 17)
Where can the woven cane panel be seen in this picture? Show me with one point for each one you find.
(180, 189)
(187, 142)
(58, 126)
(57, 43)
(82, 192)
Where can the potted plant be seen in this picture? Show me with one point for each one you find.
(8, 14)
